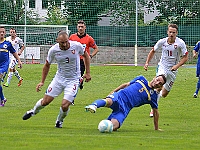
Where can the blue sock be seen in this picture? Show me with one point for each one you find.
(99, 103)
(198, 86)
(1, 93)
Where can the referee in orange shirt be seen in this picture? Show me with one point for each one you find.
(87, 41)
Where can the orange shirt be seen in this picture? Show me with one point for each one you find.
(86, 40)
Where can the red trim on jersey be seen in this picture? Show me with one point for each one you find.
(88, 40)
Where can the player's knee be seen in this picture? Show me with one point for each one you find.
(116, 124)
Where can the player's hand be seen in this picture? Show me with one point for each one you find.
(19, 65)
(146, 66)
(87, 77)
(38, 87)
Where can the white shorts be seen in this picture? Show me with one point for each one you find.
(170, 76)
(69, 87)
(13, 63)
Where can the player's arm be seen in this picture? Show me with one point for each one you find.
(45, 72)
(86, 59)
(95, 51)
(149, 57)
(181, 62)
(18, 59)
(21, 50)
(156, 117)
(122, 86)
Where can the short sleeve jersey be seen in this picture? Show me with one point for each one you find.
(170, 52)
(86, 40)
(16, 43)
(68, 61)
(136, 94)
(5, 48)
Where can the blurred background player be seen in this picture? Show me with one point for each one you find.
(172, 49)
(5, 48)
(18, 45)
(67, 79)
(87, 41)
(196, 52)
(129, 95)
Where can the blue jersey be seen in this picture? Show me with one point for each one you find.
(5, 48)
(136, 94)
(197, 49)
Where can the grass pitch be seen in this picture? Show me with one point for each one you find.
(179, 114)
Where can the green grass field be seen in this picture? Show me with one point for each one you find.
(179, 115)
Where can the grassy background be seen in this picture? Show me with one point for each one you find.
(179, 115)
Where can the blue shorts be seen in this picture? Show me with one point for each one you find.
(118, 111)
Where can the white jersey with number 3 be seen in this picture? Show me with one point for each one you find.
(68, 60)
(170, 52)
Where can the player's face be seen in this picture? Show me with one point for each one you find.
(157, 82)
(172, 32)
(81, 28)
(12, 33)
(63, 41)
(2, 33)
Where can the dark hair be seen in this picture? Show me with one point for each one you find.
(13, 29)
(164, 77)
(173, 26)
(2, 27)
(81, 22)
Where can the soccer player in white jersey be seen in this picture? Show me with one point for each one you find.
(67, 79)
(173, 48)
(18, 45)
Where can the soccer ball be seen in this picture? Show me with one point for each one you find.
(105, 126)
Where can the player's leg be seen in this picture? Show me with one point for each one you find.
(99, 103)
(197, 86)
(54, 89)
(70, 92)
(82, 67)
(12, 64)
(2, 98)
(117, 117)
(16, 73)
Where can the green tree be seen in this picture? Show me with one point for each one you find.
(12, 12)
(184, 12)
(55, 16)
(87, 10)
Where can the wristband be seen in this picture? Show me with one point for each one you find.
(90, 56)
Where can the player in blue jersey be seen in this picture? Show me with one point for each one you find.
(196, 52)
(5, 48)
(129, 95)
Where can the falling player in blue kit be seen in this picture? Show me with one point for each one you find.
(196, 52)
(129, 95)
(5, 48)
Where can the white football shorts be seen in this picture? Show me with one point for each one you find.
(170, 76)
(13, 63)
(69, 87)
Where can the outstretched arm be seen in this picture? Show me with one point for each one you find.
(181, 62)
(156, 117)
(149, 57)
(122, 86)
(45, 72)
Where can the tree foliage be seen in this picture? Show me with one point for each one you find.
(12, 12)
(87, 10)
(184, 12)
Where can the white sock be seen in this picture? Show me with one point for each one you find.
(62, 115)
(38, 106)
(10, 74)
(16, 73)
